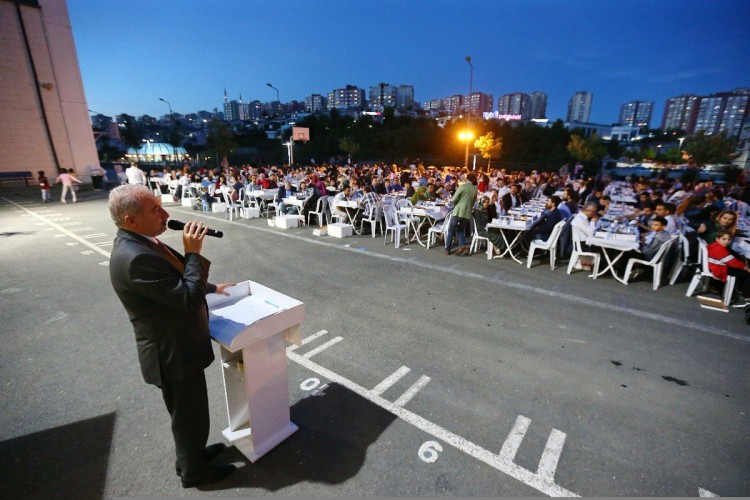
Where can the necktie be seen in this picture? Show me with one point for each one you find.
(169, 256)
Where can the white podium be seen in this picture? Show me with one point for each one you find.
(250, 327)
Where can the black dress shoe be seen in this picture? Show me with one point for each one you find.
(212, 474)
(211, 452)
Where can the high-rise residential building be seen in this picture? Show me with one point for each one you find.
(405, 96)
(383, 95)
(722, 112)
(636, 113)
(516, 104)
(538, 105)
(579, 107)
(231, 111)
(350, 97)
(100, 121)
(455, 104)
(680, 113)
(478, 102)
(315, 103)
(435, 105)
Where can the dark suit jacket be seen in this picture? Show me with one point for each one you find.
(507, 201)
(167, 308)
(284, 193)
(543, 226)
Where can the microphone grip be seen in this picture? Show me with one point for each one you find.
(179, 226)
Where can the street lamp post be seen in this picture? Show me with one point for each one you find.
(278, 99)
(468, 120)
(171, 115)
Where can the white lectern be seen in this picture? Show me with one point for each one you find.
(250, 326)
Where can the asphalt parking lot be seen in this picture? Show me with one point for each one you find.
(421, 375)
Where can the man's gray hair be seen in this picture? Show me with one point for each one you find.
(126, 200)
(590, 204)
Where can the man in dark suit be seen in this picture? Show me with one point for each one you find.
(512, 199)
(542, 227)
(164, 295)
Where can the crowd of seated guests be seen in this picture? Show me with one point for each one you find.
(695, 209)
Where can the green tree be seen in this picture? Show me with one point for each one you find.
(349, 145)
(131, 136)
(703, 149)
(489, 146)
(220, 138)
(586, 150)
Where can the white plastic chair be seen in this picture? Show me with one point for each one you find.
(549, 245)
(232, 206)
(393, 225)
(704, 274)
(578, 252)
(373, 216)
(682, 260)
(272, 206)
(657, 262)
(439, 229)
(403, 218)
(321, 211)
(477, 240)
(336, 214)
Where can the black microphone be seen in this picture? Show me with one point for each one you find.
(179, 226)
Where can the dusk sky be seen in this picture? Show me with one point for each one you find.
(131, 53)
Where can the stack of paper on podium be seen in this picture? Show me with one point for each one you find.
(251, 325)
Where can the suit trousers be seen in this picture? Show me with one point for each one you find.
(187, 403)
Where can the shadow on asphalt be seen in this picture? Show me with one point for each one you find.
(16, 233)
(65, 462)
(335, 430)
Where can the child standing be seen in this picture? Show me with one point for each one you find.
(67, 180)
(45, 186)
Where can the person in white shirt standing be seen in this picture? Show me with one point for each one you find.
(135, 175)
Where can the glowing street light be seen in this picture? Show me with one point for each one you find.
(468, 121)
(466, 135)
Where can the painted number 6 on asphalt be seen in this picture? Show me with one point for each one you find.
(429, 451)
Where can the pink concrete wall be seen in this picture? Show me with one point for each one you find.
(24, 143)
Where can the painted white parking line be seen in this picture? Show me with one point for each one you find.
(567, 297)
(68, 224)
(322, 348)
(95, 235)
(551, 455)
(513, 441)
(61, 229)
(525, 476)
(307, 340)
(412, 391)
(390, 380)
(703, 493)
(81, 229)
(104, 243)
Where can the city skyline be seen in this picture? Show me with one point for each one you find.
(620, 53)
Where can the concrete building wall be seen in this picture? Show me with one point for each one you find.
(44, 122)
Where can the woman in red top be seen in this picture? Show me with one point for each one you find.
(722, 263)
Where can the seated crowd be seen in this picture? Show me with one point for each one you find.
(660, 208)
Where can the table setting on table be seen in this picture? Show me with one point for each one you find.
(298, 200)
(518, 221)
(615, 236)
(424, 215)
(620, 192)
